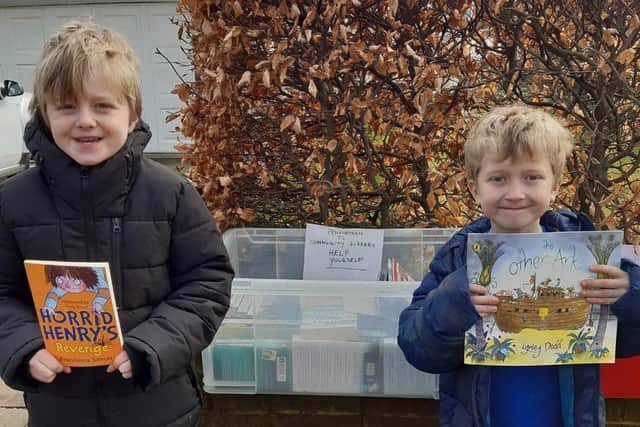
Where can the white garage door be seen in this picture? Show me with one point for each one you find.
(147, 26)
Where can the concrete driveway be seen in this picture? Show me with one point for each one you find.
(12, 412)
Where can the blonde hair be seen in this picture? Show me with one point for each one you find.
(517, 131)
(73, 55)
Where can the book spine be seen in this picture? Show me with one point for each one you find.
(372, 378)
(234, 363)
(273, 367)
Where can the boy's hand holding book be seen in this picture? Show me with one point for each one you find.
(44, 367)
(484, 304)
(123, 364)
(609, 288)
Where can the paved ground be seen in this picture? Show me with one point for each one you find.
(12, 412)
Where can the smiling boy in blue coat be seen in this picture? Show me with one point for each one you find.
(514, 159)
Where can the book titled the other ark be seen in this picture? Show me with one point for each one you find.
(542, 317)
(76, 310)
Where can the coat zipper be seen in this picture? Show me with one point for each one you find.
(90, 244)
(87, 214)
(116, 228)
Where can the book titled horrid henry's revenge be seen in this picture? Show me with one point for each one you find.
(542, 318)
(76, 311)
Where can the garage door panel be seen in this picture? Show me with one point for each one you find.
(164, 39)
(127, 25)
(4, 35)
(174, 54)
(28, 37)
(61, 15)
(125, 19)
(165, 77)
(28, 33)
(24, 73)
(168, 104)
(161, 26)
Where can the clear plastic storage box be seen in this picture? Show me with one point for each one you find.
(285, 335)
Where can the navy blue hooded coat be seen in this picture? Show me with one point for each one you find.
(432, 328)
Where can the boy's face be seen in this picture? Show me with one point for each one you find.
(514, 193)
(95, 126)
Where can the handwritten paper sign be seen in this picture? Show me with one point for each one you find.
(342, 253)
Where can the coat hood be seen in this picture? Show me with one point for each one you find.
(107, 183)
(38, 138)
(561, 220)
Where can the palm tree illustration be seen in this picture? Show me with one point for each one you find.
(601, 249)
(488, 251)
(564, 357)
(473, 351)
(599, 353)
(499, 350)
(579, 342)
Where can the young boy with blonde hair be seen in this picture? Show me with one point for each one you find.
(93, 196)
(514, 159)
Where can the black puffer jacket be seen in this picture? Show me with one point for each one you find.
(172, 280)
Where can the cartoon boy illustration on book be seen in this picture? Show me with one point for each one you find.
(66, 280)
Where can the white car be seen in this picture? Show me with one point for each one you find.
(14, 114)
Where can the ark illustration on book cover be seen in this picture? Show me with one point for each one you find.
(542, 318)
(76, 311)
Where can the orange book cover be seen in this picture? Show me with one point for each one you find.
(76, 310)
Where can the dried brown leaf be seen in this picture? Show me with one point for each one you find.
(237, 8)
(295, 11)
(393, 8)
(609, 37)
(634, 23)
(207, 28)
(266, 79)
(626, 56)
(171, 117)
(245, 79)
(431, 201)
(287, 121)
(412, 53)
(297, 126)
(313, 90)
